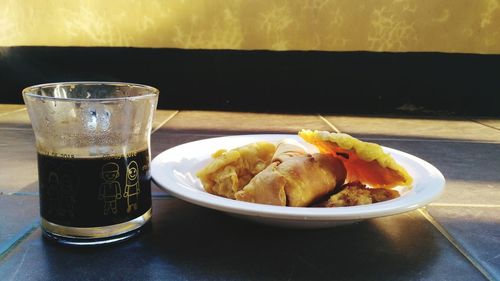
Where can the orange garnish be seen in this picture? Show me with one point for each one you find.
(364, 161)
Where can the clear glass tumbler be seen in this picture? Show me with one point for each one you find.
(93, 145)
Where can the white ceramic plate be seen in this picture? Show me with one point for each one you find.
(175, 169)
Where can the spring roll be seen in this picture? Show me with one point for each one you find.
(231, 170)
(296, 182)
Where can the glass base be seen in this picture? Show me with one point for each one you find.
(93, 236)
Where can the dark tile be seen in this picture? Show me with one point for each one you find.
(398, 127)
(240, 123)
(162, 140)
(477, 230)
(157, 191)
(186, 242)
(19, 168)
(20, 215)
(470, 169)
(30, 189)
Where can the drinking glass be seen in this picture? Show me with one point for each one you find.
(93, 146)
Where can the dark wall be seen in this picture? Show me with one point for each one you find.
(270, 81)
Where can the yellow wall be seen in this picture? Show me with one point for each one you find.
(470, 26)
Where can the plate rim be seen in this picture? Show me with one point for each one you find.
(201, 198)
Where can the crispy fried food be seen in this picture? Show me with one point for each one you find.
(310, 178)
(356, 193)
(231, 170)
(364, 161)
(296, 179)
(267, 187)
(286, 175)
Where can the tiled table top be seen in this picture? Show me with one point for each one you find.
(457, 237)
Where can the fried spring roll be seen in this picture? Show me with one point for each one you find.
(268, 187)
(230, 171)
(297, 181)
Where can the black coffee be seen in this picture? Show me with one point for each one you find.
(94, 191)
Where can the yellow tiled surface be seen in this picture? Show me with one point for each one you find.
(5, 108)
(17, 119)
(242, 122)
(493, 123)
(418, 128)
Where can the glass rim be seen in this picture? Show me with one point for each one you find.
(30, 91)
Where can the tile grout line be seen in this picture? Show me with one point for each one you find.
(23, 193)
(8, 245)
(165, 121)
(13, 111)
(329, 124)
(486, 125)
(455, 243)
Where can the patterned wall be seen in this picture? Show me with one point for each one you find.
(470, 26)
